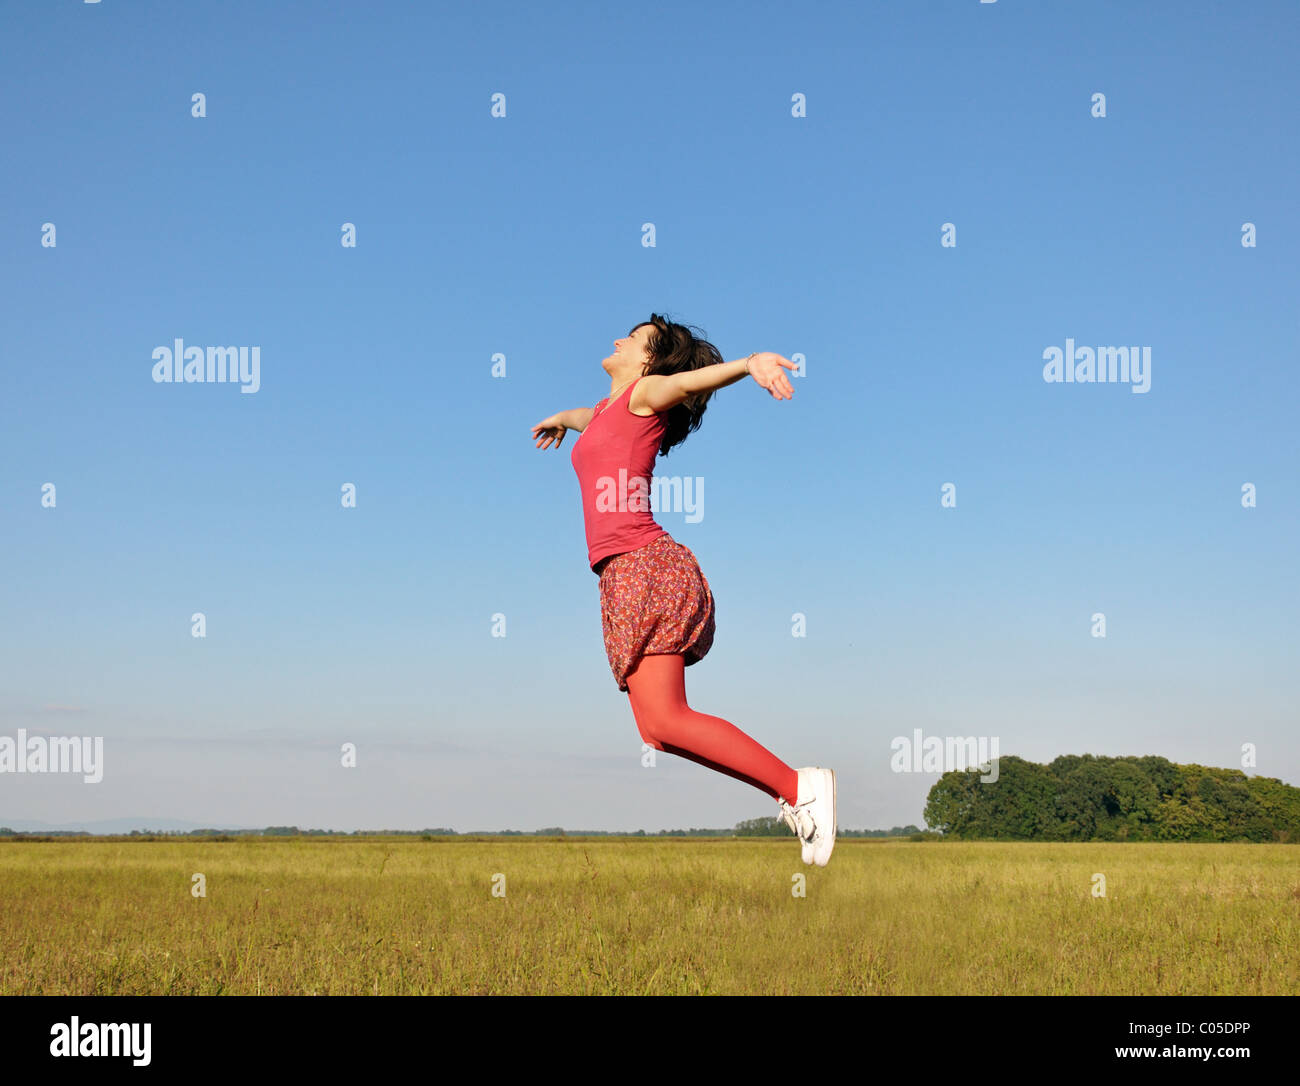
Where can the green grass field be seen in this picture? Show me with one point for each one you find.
(645, 915)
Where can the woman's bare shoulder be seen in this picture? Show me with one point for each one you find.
(637, 403)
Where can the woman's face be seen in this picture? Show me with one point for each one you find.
(631, 353)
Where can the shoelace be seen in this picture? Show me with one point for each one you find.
(799, 819)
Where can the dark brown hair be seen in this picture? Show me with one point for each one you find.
(674, 348)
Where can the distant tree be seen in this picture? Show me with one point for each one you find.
(762, 827)
(1280, 804)
(952, 800)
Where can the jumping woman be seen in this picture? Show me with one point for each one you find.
(656, 607)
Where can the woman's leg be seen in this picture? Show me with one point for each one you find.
(656, 687)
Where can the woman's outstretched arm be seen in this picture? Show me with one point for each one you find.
(662, 391)
(552, 430)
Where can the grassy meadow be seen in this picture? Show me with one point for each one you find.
(401, 915)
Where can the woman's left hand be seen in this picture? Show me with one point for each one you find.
(768, 370)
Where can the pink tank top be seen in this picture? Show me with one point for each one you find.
(615, 458)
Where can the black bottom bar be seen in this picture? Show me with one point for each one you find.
(337, 1034)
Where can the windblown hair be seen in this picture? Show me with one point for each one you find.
(674, 348)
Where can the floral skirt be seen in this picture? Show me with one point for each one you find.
(654, 599)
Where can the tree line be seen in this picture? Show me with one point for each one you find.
(1084, 797)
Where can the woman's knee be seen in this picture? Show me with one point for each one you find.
(650, 740)
(649, 722)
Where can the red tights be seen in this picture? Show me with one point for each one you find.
(656, 687)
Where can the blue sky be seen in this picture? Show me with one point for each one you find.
(522, 236)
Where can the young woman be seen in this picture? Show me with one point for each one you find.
(656, 606)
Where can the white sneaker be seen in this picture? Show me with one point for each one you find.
(822, 789)
(813, 817)
(800, 821)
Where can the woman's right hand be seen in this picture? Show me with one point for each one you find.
(550, 432)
